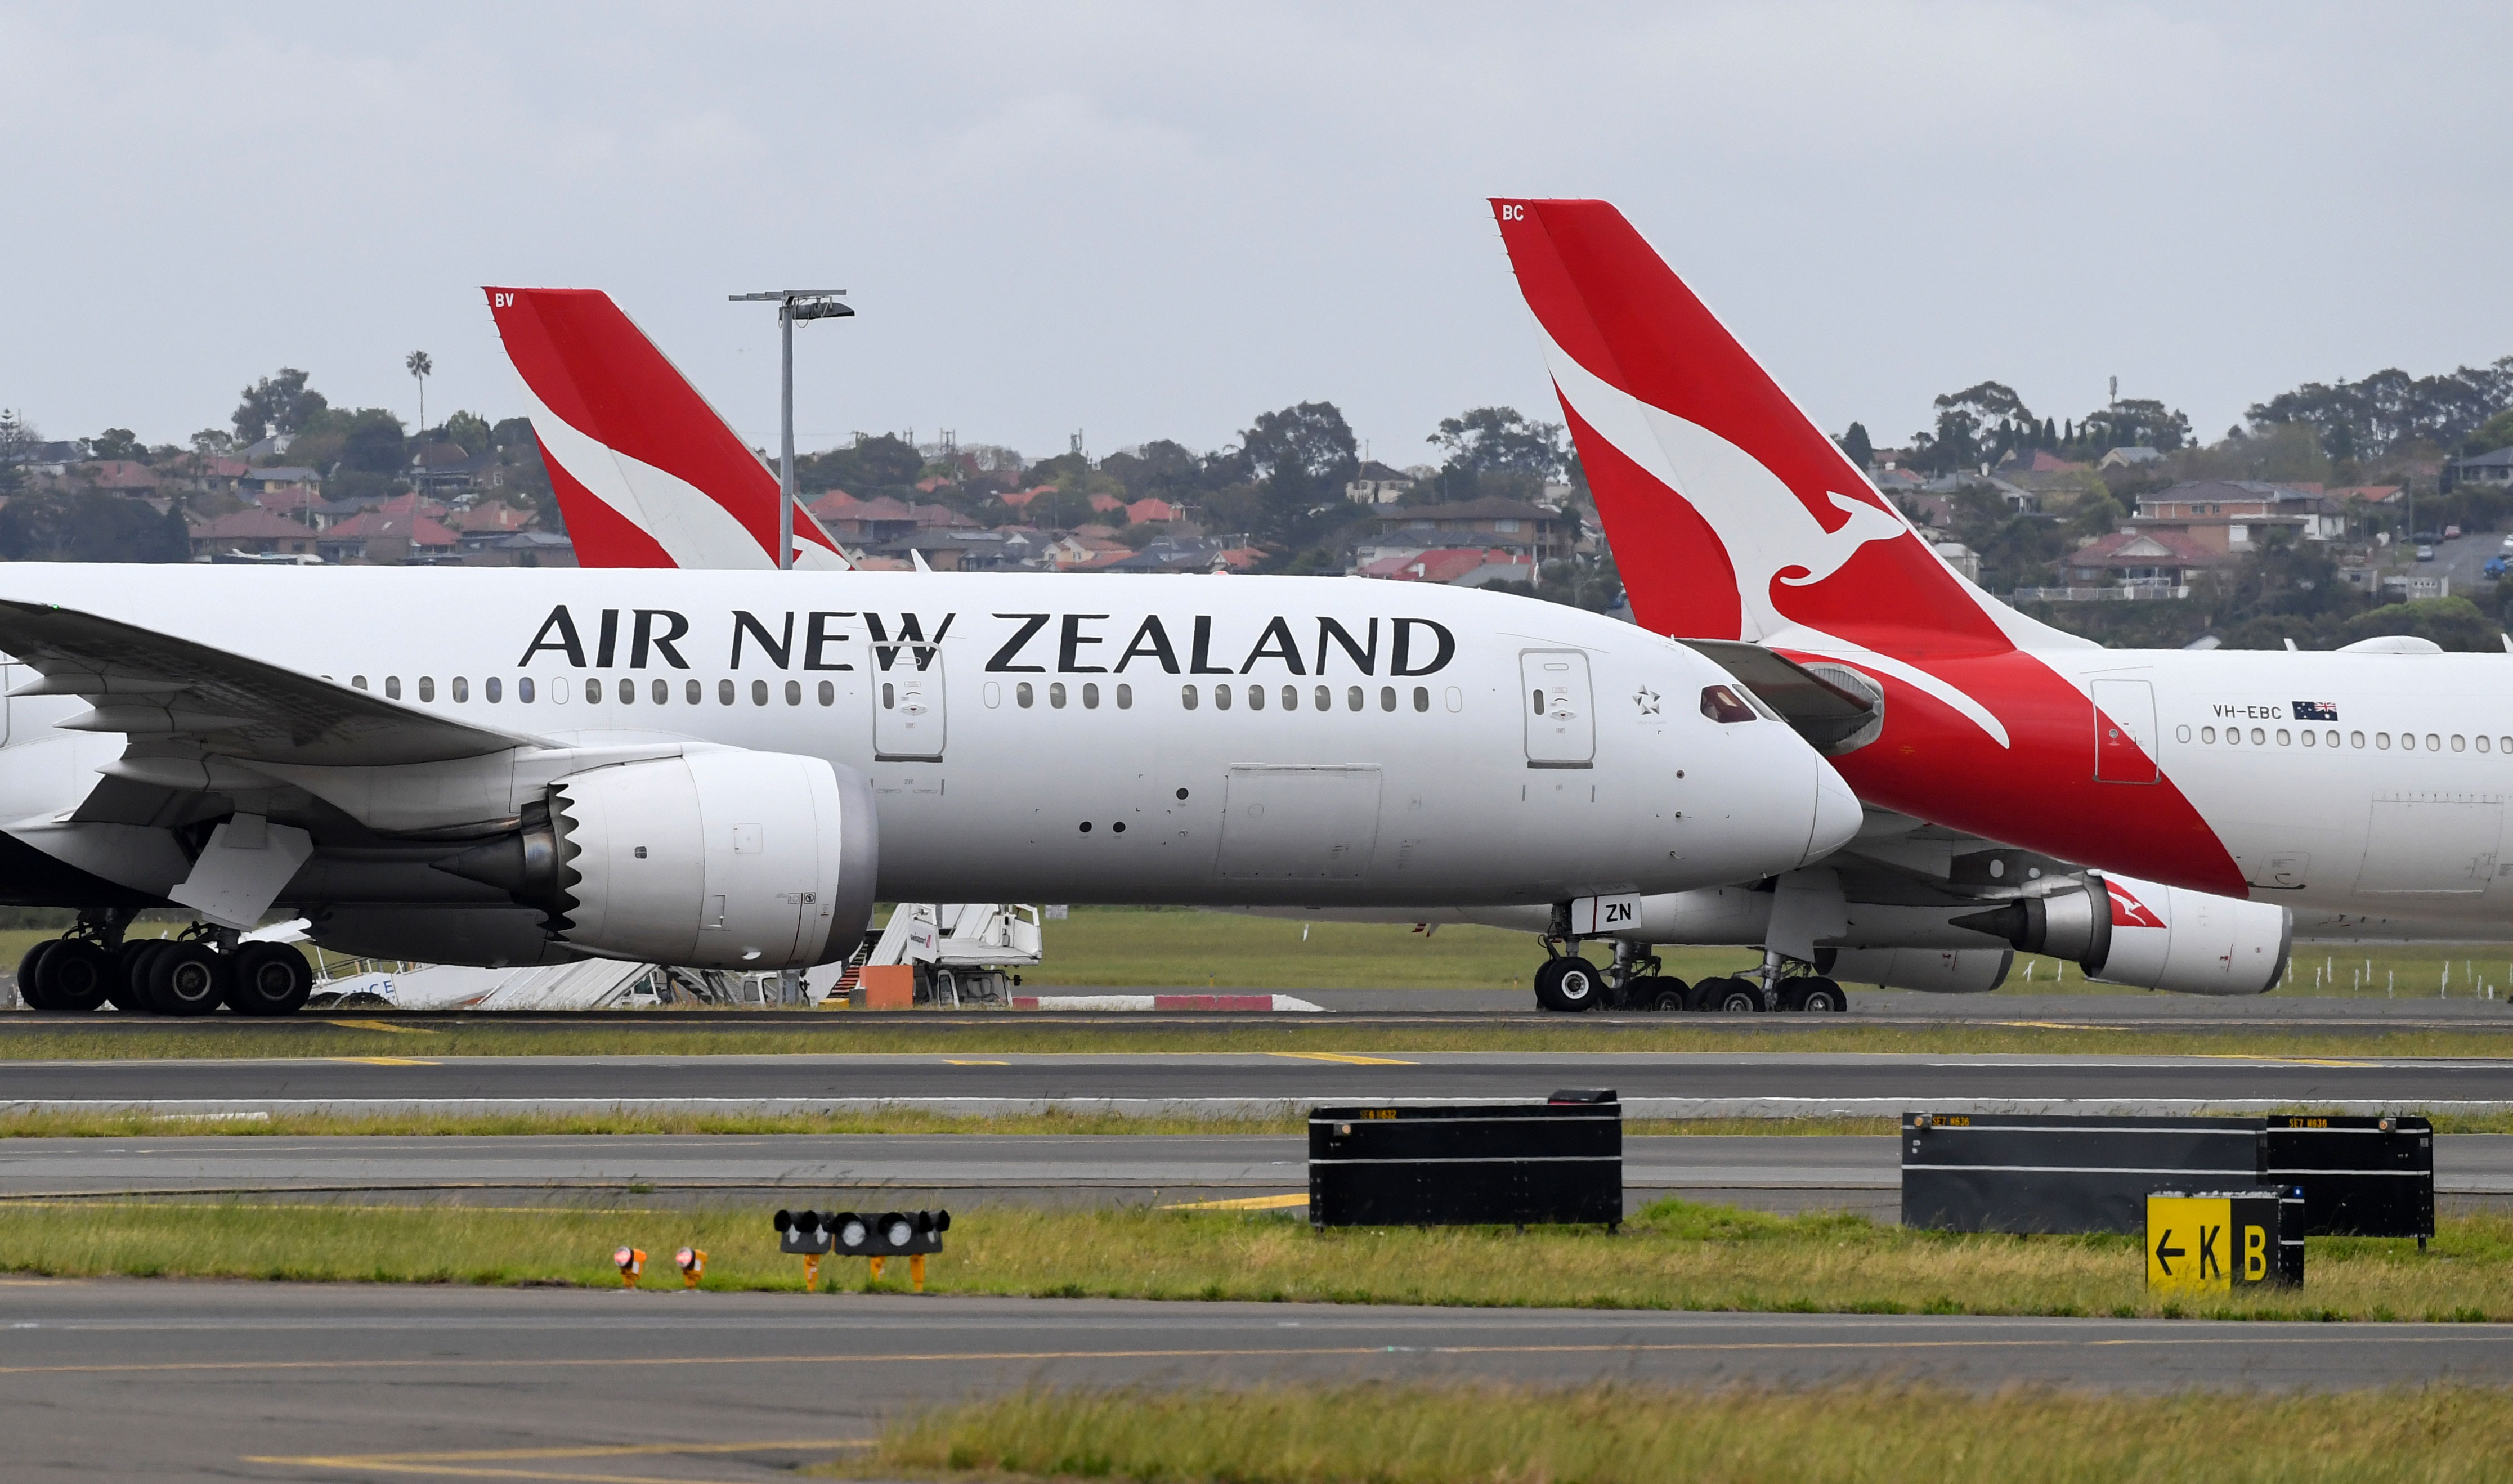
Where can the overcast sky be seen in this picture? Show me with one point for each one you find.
(1156, 221)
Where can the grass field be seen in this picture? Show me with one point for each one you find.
(1176, 946)
(1671, 1254)
(1622, 1435)
(836, 1032)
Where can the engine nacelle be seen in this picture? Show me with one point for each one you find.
(2192, 942)
(1937, 971)
(2125, 930)
(718, 859)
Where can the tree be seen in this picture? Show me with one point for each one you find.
(19, 442)
(281, 404)
(1302, 457)
(211, 443)
(1854, 443)
(1488, 439)
(117, 442)
(89, 526)
(470, 430)
(1975, 425)
(420, 366)
(2377, 416)
(2136, 422)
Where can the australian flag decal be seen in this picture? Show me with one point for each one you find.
(2316, 710)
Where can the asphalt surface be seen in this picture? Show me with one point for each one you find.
(139, 1379)
(1767, 1172)
(1686, 1082)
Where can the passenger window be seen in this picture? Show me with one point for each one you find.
(1457, 700)
(829, 692)
(358, 681)
(1718, 703)
(1090, 696)
(558, 690)
(724, 693)
(1256, 698)
(2481, 744)
(1187, 697)
(2434, 744)
(2355, 738)
(2283, 739)
(1421, 697)
(524, 689)
(2330, 738)
(2259, 737)
(2311, 739)
(592, 691)
(1221, 697)
(759, 693)
(490, 689)
(1056, 694)
(889, 696)
(1023, 695)
(661, 691)
(1325, 698)
(427, 688)
(461, 688)
(2456, 741)
(1290, 697)
(1352, 699)
(2382, 741)
(694, 692)
(2408, 741)
(2207, 733)
(392, 690)
(627, 691)
(793, 692)
(1125, 697)
(1388, 698)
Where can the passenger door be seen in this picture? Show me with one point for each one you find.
(1561, 719)
(908, 719)
(2124, 732)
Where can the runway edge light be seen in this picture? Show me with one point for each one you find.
(631, 1261)
(692, 1264)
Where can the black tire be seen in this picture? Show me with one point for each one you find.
(269, 978)
(1550, 993)
(1702, 997)
(1823, 997)
(1738, 996)
(1668, 994)
(1793, 993)
(131, 976)
(187, 979)
(76, 975)
(31, 975)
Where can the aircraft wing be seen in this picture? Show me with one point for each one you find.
(154, 687)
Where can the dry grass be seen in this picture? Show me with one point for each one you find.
(1673, 1255)
(1622, 1435)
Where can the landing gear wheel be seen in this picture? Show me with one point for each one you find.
(269, 978)
(131, 976)
(31, 975)
(1823, 996)
(75, 976)
(187, 978)
(1569, 984)
(1666, 995)
(1735, 996)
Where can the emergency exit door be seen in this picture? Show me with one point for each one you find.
(2124, 732)
(1561, 718)
(908, 718)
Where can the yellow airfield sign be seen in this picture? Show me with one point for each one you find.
(2212, 1243)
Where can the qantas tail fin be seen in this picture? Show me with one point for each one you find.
(1732, 515)
(646, 474)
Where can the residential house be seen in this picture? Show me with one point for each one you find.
(519, 549)
(1465, 565)
(2371, 494)
(2228, 515)
(2128, 458)
(1491, 522)
(300, 488)
(2495, 469)
(250, 532)
(396, 533)
(2142, 563)
(488, 516)
(446, 468)
(122, 477)
(1378, 484)
(1150, 512)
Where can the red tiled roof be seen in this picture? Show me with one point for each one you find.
(2180, 550)
(418, 530)
(1150, 509)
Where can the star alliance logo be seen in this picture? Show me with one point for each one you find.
(1646, 699)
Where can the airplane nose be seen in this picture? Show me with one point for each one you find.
(1837, 814)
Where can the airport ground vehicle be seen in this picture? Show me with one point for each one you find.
(2364, 790)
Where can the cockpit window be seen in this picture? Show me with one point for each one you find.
(1720, 703)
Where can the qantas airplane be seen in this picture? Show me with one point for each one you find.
(1903, 909)
(2364, 790)
(726, 768)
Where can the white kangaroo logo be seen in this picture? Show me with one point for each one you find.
(1832, 550)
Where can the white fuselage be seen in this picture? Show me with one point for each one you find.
(1061, 738)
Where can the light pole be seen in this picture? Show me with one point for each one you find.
(794, 304)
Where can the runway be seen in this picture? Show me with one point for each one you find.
(1652, 1084)
(1770, 1172)
(285, 1382)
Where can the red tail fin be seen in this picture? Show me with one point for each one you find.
(1732, 514)
(646, 474)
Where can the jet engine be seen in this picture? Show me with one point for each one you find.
(717, 859)
(2125, 930)
(1936, 971)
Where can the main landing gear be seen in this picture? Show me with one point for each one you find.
(194, 973)
(1636, 980)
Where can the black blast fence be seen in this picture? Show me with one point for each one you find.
(1469, 1165)
(2362, 1176)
